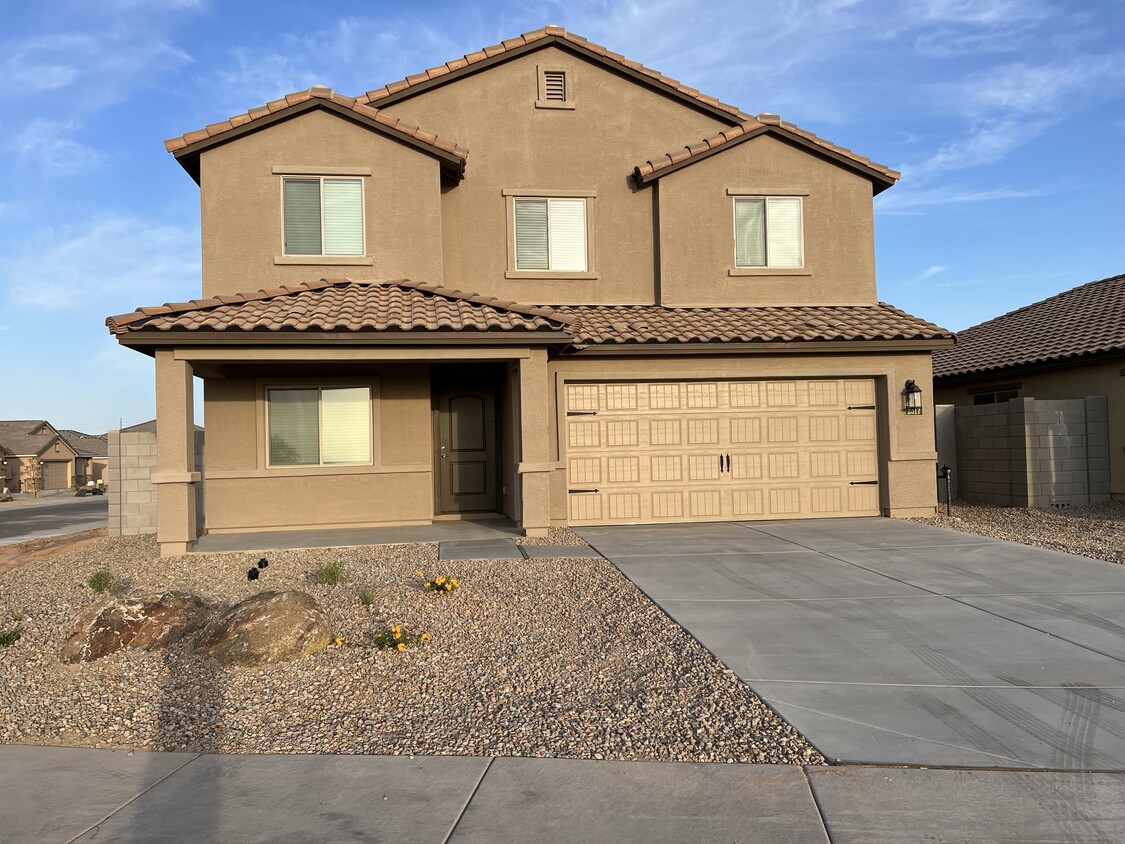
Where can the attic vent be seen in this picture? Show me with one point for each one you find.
(555, 88)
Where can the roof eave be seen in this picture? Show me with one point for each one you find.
(452, 166)
(698, 347)
(990, 373)
(148, 340)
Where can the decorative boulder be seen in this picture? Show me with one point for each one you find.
(266, 628)
(143, 623)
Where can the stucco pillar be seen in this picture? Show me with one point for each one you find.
(175, 476)
(535, 464)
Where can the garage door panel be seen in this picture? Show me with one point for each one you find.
(714, 450)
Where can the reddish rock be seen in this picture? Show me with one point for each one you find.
(142, 623)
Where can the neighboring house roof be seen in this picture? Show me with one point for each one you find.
(86, 445)
(764, 123)
(639, 324)
(26, 436)
(1086, 320)
(406, 306)
(535, 40)
(345, 305)
(188, 146)
(148, 427)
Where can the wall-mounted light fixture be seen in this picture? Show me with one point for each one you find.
(912, 399)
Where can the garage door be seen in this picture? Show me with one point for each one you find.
(55, 475)
(667, 451)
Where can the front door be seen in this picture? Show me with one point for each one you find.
(466, 450)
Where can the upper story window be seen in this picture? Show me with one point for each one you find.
(768, 232)
(550, 235)
(323, 216)
(319, 426)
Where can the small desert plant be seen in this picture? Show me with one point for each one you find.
(10, 637)
(101, 581)
(367, 596)
(17, 615)
(396, 638)
(331, 574)
(441, 585)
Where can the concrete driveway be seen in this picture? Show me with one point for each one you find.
(892, 642)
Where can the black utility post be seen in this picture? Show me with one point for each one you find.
(946, 473)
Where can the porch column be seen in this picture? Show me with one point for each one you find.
(175, 476)
(535, 464)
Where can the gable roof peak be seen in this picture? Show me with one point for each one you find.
(534, 40)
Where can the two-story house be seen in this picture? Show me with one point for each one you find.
(673, 313)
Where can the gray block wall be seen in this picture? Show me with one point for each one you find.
(132, 498)
(1029, 453)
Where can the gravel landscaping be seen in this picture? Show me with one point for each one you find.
(1096, 531)
(556, 657)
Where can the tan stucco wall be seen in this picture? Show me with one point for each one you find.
(616, 125)
(907, 450)
(1096, 379)
(697, 230)
(243, 493)
(242, 207)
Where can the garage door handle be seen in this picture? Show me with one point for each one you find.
(862, 483)
(861, 407)
(581, 413)
(573, 491)
(728, 464)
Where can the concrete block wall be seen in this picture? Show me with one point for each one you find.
(1029, 453)
(132, 498)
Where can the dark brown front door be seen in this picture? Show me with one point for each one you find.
(466, 450)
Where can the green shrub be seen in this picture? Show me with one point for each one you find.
(9, 637)
(397, 638)
(441, 585)
(331, 574)
(367, 596)
(101, 581)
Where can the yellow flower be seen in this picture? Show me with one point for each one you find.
(419, 573)
(401, 646)
(455, 583)
(339, 641)
(440, 581)
(425, 637)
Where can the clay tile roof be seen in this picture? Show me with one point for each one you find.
(19, 437)
(344, 305)
(556, 34)
(634, 324)
(86, 445)
(1086, 320)
(654, 167)
(319, 93)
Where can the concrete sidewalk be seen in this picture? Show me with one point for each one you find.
(68, 794)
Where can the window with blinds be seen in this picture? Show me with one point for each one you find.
(323, 216)
(311, 426)
(767, 232)
(551, 235)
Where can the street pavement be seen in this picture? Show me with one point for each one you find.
(56, 515)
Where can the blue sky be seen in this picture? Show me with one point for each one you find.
(1006, 117)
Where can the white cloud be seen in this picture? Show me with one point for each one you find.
(906, 200)
(45, 143)
(109, 264)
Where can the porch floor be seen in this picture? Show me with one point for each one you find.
(278, 540)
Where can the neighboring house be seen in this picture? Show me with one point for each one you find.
(676, 320)
(1066, 347)
(25, 440)
(91, 462)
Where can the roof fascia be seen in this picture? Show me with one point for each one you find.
(1029, 368)
(553, 40)
(765, 347)
(143, 340)
(879, 181)
(452, 166)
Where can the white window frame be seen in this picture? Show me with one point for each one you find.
(742, 197)
(320, 178)
(590, 197)
(320, 425)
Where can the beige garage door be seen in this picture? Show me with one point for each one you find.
(55, 475)
(673, 451)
